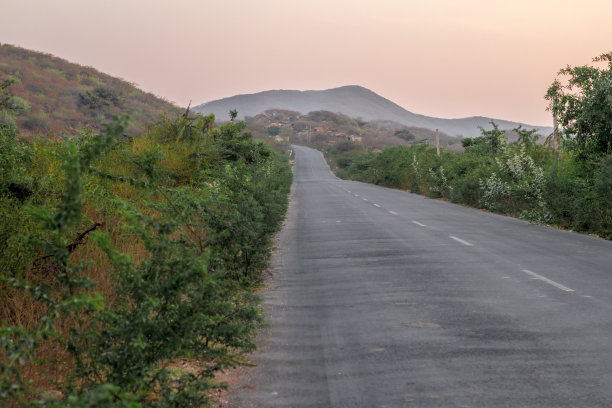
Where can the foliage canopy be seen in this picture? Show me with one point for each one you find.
(582, 100)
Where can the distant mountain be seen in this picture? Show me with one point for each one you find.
(354, 101)
(58, 97)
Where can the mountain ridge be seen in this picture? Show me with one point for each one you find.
(354, 101)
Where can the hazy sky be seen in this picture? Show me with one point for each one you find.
(446, 58)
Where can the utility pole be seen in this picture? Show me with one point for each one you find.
(555, 124)
(555, 129)
(437, 142)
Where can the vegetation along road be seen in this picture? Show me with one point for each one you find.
(382, 298)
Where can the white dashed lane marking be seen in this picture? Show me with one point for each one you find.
(460, 240)
(533, 275)
(545, 279)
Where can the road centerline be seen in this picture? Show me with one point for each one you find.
(460, 240)
(549, 281)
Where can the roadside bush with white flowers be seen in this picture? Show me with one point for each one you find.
(516, 186)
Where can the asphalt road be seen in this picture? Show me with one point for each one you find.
(381, 298)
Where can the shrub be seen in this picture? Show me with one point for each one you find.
(18, 105)
(100, 97)
(516, 187)
(404, 134)
(198, 207)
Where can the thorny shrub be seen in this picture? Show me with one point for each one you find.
(200, 203)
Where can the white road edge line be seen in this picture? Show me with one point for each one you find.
(419, 224)
(393, 212)
(460, 240)
(376, 205)
(550, 282)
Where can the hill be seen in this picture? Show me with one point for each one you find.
(329, 128)
(59, 97)
(353, 101)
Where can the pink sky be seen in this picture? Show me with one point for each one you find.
(445, 58)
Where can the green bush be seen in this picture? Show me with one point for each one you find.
(202, 203)
(522, 179)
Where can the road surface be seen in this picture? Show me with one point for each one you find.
(382, 298)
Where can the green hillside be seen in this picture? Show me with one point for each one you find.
(55, 96)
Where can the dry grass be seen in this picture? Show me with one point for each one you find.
(53, 88)
(19, 308)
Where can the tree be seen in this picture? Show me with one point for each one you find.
(404, 134)
(4, 95)
(18, 105)
(99, 98)
(273, 130)
(581, 99)
(494, 138)
(526, 137)
(286, 132)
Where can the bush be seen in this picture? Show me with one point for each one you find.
(516, 187)
(100, 97)
(404, 134)
(180, 221)
(520, 179)
(18, 105)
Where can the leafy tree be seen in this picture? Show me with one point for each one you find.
(273, 130)
(286, 132)
(18, 105)
(100, 97)
(404, 134)
(495, 137)
(473, 142)
(5, 97)
(526, 137)
(583, 105)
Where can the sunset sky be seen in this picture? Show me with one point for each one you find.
(445, 58)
